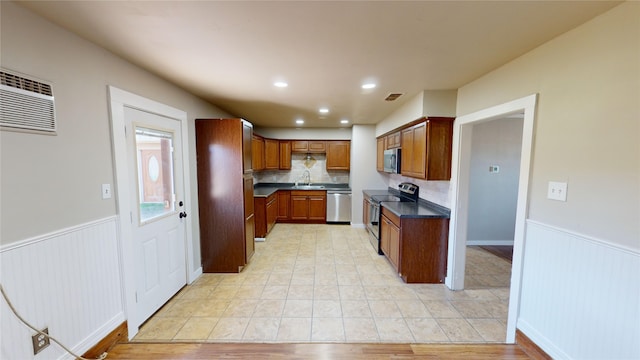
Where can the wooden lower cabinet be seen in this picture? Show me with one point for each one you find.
(266, 213)
(390, 240)
(416, 247)
(309, 206)
(284, 204)
(272, 212)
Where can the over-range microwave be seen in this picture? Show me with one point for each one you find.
(392, 161)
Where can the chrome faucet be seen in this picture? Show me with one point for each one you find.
(307, 175)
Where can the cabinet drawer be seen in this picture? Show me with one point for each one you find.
(395, 219)
(307, 193)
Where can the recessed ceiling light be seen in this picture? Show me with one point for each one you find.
(299, 121)
(344, 121)
(323, 110)
(368, 86)
(280, 84)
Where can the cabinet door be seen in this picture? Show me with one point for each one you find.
(406, 163)
(338, 155)
(384, 235)
(394, 246)
(285, 156)
(247, 146)
(365, 212)
(300, 145)
(439, 143)
(299, 207)
(271, 154)
(249, 228)
(284, 201)
(414, 151)
(260, 217)
(272, 211)
(317, 207)
(380, 154)
(393, 140)
(317, 146)
(257, 144)
(419, 153)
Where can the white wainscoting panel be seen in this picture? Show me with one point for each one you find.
(580, 296)
(68, 281)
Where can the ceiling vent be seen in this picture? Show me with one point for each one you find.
(393, 96)
(26, 104)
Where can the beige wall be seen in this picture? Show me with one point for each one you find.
(425, 103)
(53, 182)
(587, 126)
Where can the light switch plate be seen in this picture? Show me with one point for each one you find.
(106, 191)
(557, 191)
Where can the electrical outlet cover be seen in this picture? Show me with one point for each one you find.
(40, 342)
(557, 191)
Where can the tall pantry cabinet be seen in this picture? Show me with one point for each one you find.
(225, 193)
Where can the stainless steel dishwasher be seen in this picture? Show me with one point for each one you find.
(338, 206)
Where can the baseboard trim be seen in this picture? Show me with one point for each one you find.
(489, 242)
(531, 348)
(118, 335)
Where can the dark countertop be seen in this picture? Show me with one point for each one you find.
(421, 209)
(266, 189)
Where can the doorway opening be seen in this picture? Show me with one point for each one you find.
(493, 194)
(521, 110)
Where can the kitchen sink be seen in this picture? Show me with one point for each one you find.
(309, 187)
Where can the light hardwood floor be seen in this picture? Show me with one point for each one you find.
(178, 351)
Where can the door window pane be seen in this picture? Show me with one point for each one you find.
(154, 150)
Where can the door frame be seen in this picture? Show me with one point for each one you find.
(461, 158)
(118, 100)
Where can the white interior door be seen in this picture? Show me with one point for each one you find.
(157, 208)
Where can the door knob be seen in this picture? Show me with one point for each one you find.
(183, 215)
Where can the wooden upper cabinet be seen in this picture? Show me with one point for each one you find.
(393, 140)
(310, 146)
(338, 155)
(426, 149)
(439, 148)
(271, 154)
(257, 144)
(414, 140)
(381, 141)
(299, 146)
(317, 146)
(285, 155)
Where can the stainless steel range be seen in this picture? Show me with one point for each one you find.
(406, 192)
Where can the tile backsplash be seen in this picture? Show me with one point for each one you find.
(316, 164)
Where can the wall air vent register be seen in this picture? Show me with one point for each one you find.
(26, 104)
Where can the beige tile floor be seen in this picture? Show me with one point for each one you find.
(325, 283)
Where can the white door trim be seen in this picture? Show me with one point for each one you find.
(459, 197)
(118, 100)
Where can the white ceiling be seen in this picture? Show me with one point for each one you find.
(231, 52)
